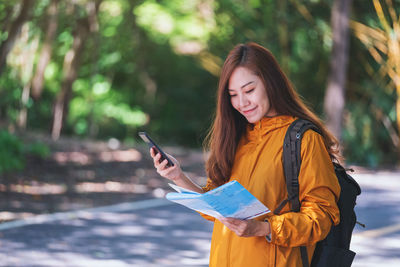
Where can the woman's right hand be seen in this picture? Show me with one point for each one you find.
(172, 173)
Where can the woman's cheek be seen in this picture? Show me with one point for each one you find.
(234, 104)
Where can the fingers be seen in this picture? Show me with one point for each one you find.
(163, 169)
(156, 157)
(161, 166)
(167, 171)
(154, 152)
(240, 227)
(231, 221)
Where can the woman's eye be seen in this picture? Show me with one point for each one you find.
(249, 91)
(232, 96)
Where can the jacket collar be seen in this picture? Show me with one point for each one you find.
(267, 124)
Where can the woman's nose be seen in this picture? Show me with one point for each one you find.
(243, 101)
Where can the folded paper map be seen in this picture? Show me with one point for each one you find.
(228, 200)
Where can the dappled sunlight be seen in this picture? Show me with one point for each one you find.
(110, 186)
(9, 216)
(188, 47)
(165, 234)
(370, 254)
(156, 222)
(120, 155)
(84, 158)
(131, 230)
(73, 259)
(36, 188)
(106, 218)
(74, 157)
(143, 237)
(379, 196)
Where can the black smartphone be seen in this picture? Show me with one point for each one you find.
(151, 143)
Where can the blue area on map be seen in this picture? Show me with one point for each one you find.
(228, 200)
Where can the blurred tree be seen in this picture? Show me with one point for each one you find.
(27, 61)
(283, 35)
(384, 47)
(45, 54)
(14, 30)
(334, 101)
(154, 64)
(6, 14)
(71, 65)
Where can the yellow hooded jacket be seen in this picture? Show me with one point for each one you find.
(258, 167)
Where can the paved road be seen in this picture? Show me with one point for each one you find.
(146, 233)
(379, 208)
(159, 233)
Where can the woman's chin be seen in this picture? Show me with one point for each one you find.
(253, 119)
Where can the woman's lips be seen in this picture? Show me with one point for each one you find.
(246, 112)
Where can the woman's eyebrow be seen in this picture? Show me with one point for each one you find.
(242, 86)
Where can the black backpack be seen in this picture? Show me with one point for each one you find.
(334, 249)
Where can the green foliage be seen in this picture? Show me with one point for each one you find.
(152, 65)
(10, 94)
(11, 153)
(37, 149)
(174, 21)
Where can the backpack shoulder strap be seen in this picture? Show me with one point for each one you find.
(292, 161)
(291, 166)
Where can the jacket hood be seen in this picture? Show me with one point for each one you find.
(267, 124)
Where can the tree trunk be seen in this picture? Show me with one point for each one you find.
(335, 93)
(45, 54)
(70, 68)
(14, 31)
(7, 19)
(23, 113)
(28, 67)
(94, 29)
(28, 59)
(283, 35)
(145, 78)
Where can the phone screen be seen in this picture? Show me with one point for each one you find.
(151, 143)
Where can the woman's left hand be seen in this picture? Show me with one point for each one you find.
(247, 228)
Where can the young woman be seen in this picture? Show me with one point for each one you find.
(256, 104)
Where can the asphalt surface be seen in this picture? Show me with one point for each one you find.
(159, 233)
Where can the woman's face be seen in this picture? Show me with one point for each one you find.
(248, 95)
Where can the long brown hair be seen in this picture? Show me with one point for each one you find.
(229, 125)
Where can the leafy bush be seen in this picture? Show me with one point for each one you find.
(37, 149)
(13, 152)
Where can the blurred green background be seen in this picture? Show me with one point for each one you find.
(108, 69)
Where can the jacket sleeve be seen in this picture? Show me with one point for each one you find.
(209, 186)
(319, 191)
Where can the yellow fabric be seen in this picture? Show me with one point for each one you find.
(258, 167)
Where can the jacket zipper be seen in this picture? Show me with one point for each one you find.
(259, 133)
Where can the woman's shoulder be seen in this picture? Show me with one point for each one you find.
(311, 136)
(312, 144)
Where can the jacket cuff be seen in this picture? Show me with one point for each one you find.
(276, 223)
(268, 237)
